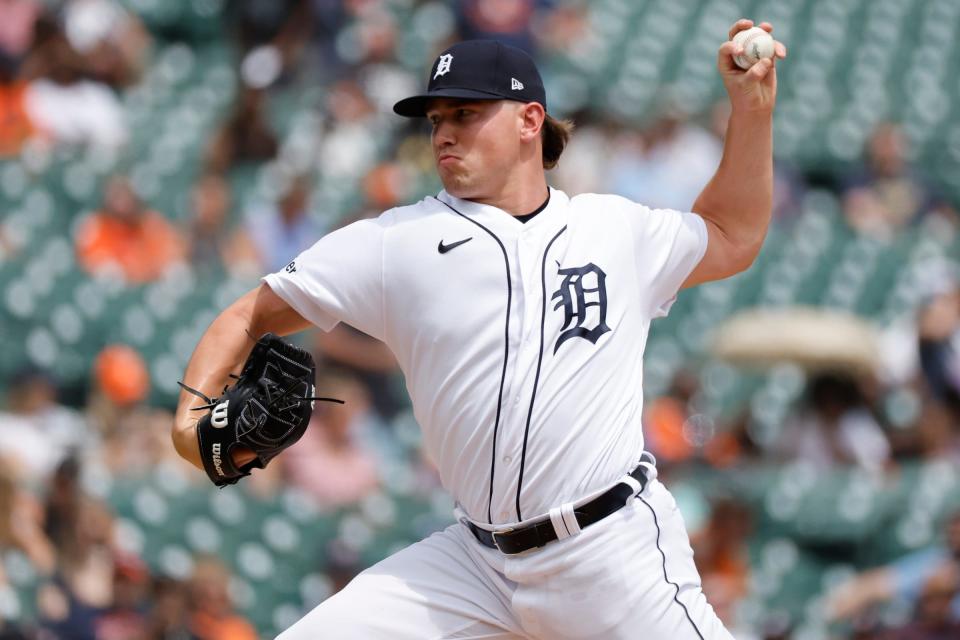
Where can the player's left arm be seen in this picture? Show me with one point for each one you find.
(736, 204)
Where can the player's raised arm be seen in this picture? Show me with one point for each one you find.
(221, 351)
(737, 202)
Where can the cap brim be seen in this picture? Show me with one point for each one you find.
(416, 106)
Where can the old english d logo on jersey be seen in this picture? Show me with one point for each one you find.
(582, 288)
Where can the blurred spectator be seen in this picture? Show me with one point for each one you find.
(343, 564)
(934, 618)
(887, 194)
(675, 433)
(126, 616)
(666, 419)
(17, 31)
(283, 25)
(348, 150)
(508, 21)
(375, 32)
(903, 580)
(272, 36)
(211, 612)
(37, 433)
(21, 526)
(212, 244)
(280, 233)
(328, 461)
(81, 529)
(836, 427)
(668, 165)
(64, 105)
(722, 556)
(126, 237)
(939, 329)
(207, 237)
(121, 375)
(16, 127)
(932, 435)
(247, 135)
(111, 39)
(733, 444)
(130, 432)
(169, 618)
(387, 185)
(564, 29)
(584, 166)
(369, 360)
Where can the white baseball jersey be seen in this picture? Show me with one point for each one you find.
(522, 344)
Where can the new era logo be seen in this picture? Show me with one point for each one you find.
(515, 84)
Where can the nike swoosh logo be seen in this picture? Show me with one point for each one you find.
(443, 248)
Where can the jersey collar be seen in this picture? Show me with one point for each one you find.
(553, 215)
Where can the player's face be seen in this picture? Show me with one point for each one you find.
(475, 144)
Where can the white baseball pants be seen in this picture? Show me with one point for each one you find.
(630, 575)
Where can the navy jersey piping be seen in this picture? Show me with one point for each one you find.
(536, 378)
(676, 594)
(506, 355)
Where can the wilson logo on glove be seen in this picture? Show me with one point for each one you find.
(219, 417)
(265, 411)
(217, 460)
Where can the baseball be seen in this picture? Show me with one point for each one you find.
(756, 43)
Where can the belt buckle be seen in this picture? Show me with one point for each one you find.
(494, 534)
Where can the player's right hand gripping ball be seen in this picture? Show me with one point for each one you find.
(756, 43)
(266, 410)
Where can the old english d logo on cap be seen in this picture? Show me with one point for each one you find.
(479, 70)
(443, 65)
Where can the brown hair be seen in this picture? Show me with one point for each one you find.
(555, 134)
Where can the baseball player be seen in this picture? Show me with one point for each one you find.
(519, 316)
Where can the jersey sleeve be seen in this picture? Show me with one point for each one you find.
(668, 245)
(338, 279)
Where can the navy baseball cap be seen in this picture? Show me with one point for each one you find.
(479, 70)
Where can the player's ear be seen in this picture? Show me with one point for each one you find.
(532, 116)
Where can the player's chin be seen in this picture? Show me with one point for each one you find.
(449, 169)
(456, 183)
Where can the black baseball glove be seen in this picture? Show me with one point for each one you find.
(266, 410)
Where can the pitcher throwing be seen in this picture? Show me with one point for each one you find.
(519, 317)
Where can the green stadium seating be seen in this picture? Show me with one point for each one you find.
(852, 64)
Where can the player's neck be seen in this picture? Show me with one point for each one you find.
(518, 199)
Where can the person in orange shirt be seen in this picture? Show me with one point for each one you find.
(15, 125)
(128, 237)
(212, 616)
(666, 418)
(721, 554)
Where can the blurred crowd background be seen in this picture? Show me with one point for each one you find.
(158, 156)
